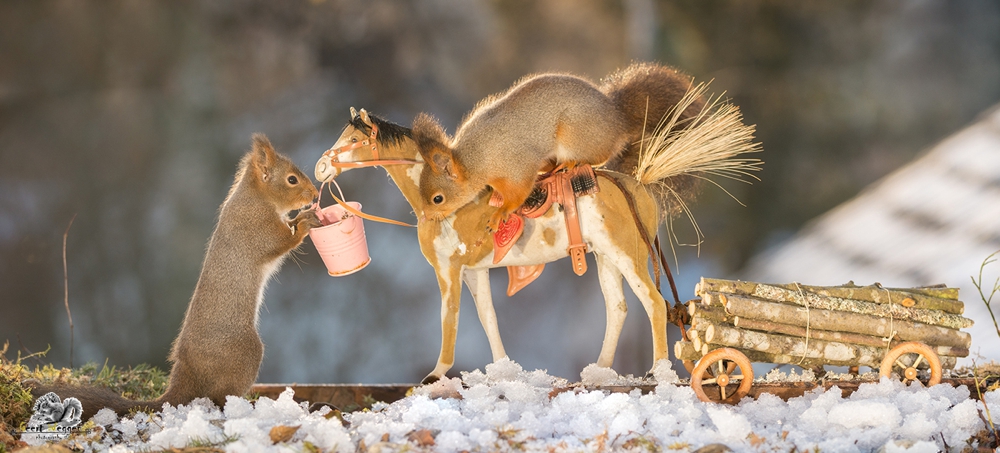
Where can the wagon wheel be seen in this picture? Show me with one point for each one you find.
(920, 353)
(709, 373)
(723, 362)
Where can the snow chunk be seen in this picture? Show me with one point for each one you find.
(237, 407)
(864, 414)
(664, 373)
(504, 369)
(105, 417)
(733, 427)
(595, 375)
(776, 375)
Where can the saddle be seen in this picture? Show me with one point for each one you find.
(561, 185)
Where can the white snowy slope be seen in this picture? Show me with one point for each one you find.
(509, 409)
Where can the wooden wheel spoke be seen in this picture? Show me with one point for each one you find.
(919, 359)
(900, 363)
(708, 381)
(735, 376)
(722, 391)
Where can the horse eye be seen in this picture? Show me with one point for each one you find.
(293, 180)
(438, 199)
(354, 139)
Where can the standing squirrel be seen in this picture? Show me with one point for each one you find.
(218, 351)
(543, 120)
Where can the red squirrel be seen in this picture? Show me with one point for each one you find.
(218, 351)
(541, 121)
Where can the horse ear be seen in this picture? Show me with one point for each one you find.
(354, 113)
(364, 117)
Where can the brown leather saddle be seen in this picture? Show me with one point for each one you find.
(563, 186)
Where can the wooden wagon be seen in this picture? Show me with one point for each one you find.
(908, 333)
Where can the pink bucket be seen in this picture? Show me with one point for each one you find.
(341, 240)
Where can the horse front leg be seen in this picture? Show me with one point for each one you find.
(614, 304)
(451, 297)
(478, 281)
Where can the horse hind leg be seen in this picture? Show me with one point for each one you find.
(656, 307)
(614, 304)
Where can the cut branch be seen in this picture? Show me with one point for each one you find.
(846, 306)
(840, 337)
(928, 298)
(795, 348)
(714, 313)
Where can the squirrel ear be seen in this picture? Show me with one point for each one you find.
(364, 117)
(431, 142)
(442, 161)
(264, 156)
(354, 113)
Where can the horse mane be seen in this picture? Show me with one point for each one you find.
(389, 133)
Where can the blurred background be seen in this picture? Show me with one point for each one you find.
(131, 116)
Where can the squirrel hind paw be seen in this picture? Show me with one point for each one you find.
(495, 220)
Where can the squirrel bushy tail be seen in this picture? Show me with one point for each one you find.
(677, 135)
(94, 399)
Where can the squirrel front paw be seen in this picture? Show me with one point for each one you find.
(304, 221)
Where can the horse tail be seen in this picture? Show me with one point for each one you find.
(681, 135)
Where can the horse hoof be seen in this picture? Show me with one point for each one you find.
(430, 379)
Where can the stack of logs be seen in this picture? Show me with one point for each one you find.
(812, 326)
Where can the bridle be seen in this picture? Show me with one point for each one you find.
(334, 161)
(372, 142)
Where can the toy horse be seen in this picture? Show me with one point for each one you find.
(460, 249)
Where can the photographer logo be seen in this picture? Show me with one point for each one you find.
(52, 419)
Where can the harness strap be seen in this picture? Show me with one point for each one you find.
(577, 248)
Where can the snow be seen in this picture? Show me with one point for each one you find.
(507, 408)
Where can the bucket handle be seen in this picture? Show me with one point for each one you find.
(348, 220)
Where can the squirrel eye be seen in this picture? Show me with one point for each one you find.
(438, 199)
(293, 180)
